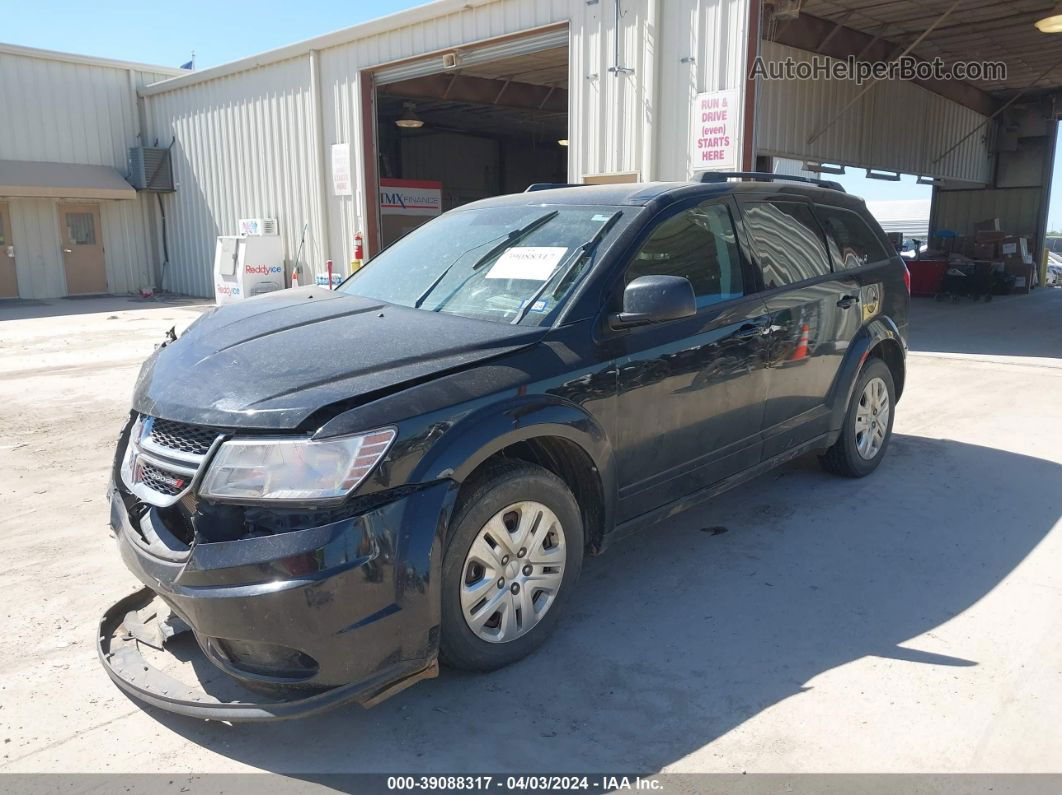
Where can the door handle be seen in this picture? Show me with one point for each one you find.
(68, 251)
(753, 329)
(847, 301)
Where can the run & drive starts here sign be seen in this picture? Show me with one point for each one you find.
(714, 138)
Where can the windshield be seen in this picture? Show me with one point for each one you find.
(504, 264)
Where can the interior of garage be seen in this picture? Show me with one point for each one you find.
(998, 221)
(472, 130)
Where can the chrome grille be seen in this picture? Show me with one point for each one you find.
(158, 479)
(164, 457)
(194, 439)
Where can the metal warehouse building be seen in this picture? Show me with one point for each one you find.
(69, 221)
(356, 132)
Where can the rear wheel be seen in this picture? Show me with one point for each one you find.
(510, 565)
(867, 425)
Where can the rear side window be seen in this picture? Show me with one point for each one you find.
(852, 242)
(698, 244)
(788, 242)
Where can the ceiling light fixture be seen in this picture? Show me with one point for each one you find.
(888, 176)
(562, 141)
(409, 118)
(1052, 23)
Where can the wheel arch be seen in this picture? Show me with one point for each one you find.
(879, 338)
(544, 430)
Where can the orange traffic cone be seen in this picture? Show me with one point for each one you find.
(801, 351)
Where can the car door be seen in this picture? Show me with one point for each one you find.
(690, 391)
(812, 311)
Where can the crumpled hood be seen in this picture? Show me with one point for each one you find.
(271, 361)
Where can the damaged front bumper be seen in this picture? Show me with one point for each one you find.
(343, 612)
(120, 650)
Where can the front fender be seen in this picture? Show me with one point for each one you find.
(880, 330)
(482, 433)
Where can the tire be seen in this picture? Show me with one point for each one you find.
(845, 457)
(469, 586)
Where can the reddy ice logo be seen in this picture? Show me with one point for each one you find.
(262, 269)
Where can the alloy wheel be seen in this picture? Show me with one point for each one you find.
(872, 418)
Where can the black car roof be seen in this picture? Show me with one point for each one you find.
(640, 194)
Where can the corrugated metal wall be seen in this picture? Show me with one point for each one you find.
(895, 125)
(1016, 208)
(244, 148)
(73, 112)
(246, 143)
(702, 48)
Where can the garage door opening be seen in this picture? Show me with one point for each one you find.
(468, 125)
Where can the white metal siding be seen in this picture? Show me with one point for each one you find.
(73, 112)
(38, 253)
(244, 148)
(713, 34)
(895, 125)
(246, 138)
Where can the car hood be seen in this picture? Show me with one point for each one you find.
(272, 361)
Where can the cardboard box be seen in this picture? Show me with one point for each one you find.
(988, 225)
(989, 237)
(986, 251)
(1016, 248)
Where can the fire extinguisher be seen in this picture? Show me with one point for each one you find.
(359, 252)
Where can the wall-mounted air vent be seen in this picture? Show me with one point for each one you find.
(150, 168)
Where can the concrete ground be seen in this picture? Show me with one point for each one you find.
(908, 622)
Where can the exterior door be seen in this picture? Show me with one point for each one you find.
(814, 315)
(82, 239)
(8, 275)
(690, 392)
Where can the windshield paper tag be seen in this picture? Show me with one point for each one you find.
(531, 263)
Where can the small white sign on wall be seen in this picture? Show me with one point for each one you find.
(714, 135)
(341, 169)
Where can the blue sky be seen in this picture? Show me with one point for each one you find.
(166, 33)
(224, 30)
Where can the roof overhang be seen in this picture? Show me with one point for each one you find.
(36, 179)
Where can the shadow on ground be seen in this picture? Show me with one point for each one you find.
(679, 634)
(1010, 325)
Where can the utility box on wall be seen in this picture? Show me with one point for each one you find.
(151, 169)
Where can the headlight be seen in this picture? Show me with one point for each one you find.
(294, 469)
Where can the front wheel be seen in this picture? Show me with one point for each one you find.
(867, 425)
(511, 563)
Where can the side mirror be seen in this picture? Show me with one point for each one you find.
(655, 299)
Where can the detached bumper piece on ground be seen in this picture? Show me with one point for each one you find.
(124, 633)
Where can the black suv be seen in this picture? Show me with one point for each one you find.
(336, 489)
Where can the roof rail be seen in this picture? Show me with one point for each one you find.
(764, 176)
(550, 186)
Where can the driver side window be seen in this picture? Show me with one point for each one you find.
(699, 244)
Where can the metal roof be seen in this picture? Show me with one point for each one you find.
(89, 60)
(28, 178)
(975, 30)
(384, 24)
